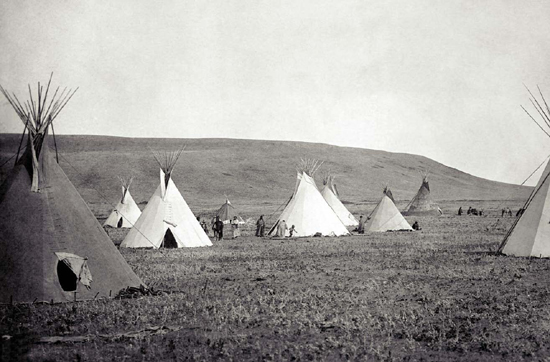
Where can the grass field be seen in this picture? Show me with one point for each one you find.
(437, 294)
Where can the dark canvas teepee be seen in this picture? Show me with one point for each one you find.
(227, 212)
(422, 203)
(51, 245)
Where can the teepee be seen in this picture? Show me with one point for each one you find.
(167, 221)
(126, 212)
(52, 248)
(422, 203)
(530, 234)
(227, 212)
(386, 217)
(329, 194)
(307, 210)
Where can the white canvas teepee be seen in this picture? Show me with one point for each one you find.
(334, 202)
(308, 211)
(386, 217)
(167, 221)
(530, 234)
(126, 212)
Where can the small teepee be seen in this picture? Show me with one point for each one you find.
(329, 194)
(227, 212)
(386, 217)
(422, 203)
(530, 234)
(52, 248)
(167, 221)
(307, 210)
(126, 212)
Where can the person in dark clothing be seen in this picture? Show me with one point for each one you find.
(416, 227)
(361, 226)
(460, 211)
(218, 228)
(260, 226)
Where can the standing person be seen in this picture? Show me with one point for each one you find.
(218, 228)
(235, 227)
(281, 229)
(361, 226)
(260, 226)
(460, 211)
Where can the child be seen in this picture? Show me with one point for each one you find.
(292, 230)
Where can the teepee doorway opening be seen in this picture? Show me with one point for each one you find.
(169, 240)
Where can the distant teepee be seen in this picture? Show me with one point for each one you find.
(307, 210)
(329, 194)
(386, 217)
(422, 203)
(52, 246)
(167, 221)
(126, 212)
(530, 234)
(227, 212)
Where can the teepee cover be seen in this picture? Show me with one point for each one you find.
(126, 212)
(166, 213)
(386, 217)
(530, 234)
(308, 211)
(227, 212)
(422, 202)
(337, 206)
(51, 245)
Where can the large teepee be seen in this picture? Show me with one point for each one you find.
(329, 194)
(307, 210)
(530, 234)
(227, 212)
(422, 203)
(386, 217)
(167, 221)
(52, 248)
(126, 212)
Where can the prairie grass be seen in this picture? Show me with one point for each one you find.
(437, 294)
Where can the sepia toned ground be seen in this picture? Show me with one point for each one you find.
(438, 294)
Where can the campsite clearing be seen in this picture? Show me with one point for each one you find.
(438, 294)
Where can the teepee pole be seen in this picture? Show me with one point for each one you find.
(20, 143)
(55, 143)
(535, 121)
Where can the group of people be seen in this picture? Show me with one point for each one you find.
(281, 228)
(217, 227)
(471, 211)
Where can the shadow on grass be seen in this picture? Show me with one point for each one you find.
(17, 347)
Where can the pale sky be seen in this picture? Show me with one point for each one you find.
(443, 79)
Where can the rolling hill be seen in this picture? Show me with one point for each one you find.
(252, 173)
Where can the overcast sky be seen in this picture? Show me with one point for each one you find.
(443, 79)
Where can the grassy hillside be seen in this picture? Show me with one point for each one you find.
(255, 175)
